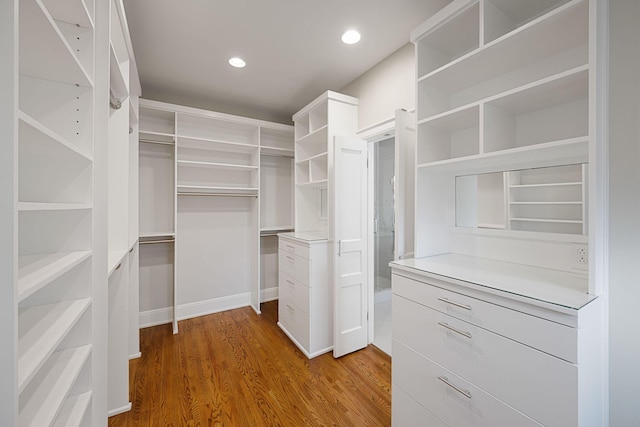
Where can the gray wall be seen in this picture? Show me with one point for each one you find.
(624, 211)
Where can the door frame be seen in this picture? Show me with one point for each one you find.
(373, 134)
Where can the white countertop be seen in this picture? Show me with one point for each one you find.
(544, 285)
(307, 236)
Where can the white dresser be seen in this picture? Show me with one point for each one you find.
(305, 292)
(478, 342)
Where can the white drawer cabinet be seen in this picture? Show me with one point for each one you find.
(504, 363)
(304, 308)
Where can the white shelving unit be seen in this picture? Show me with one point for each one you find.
(305, 312)
(202, 199)
(122, 215)
(51, 293)
(507, 121)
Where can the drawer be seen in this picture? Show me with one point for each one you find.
(294, 320)
(295, 266)
(294, 291)
(406, 412)
(294, 248)
(550, 337)
(458, 403)
(537, 384)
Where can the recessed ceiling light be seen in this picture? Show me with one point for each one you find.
(237, 62)
(351, 37)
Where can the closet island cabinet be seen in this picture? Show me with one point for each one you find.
(499, 319)
(61, 142)
(214, 190)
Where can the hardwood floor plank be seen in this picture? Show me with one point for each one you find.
(238, 368)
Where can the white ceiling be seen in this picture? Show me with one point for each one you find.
(292, 48)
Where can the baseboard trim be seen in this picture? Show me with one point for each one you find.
(135, 356)
(269, 294)
(155, 317)
(121, 410)
(214, 305)
(163, 316)
(301, 347)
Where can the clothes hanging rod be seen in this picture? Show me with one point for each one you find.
(148, 242)
(287, 156)
(218, 194)
(151, 141)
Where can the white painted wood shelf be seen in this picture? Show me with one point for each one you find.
(37, 271)
(74, 410)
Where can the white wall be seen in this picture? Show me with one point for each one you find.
(624, 211)
(387, 86)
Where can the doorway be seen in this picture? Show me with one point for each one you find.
(384, 238)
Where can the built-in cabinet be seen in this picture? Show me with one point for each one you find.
(504, 285)
(324, 311)
(62, 145)
(214, 189)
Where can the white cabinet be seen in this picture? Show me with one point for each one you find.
(330, 202)
(305, 293)
(214, 190)
(514, 358)
(499, 318)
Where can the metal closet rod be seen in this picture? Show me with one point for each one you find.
(218, 194)
(149, 242)
(150, 141)
(287, 156)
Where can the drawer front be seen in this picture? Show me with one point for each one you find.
(457, 403)
(550, 337)
(294, 320)
(294, 248)
(406, 412)
(295, 266)
(294, 291)
(537, 384)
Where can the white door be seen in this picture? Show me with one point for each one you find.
(349, 186)
(404, 186)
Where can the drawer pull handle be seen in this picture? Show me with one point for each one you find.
(457, 304)
(456, 330)
(465, 393)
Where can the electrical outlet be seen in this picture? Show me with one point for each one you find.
(581, 259)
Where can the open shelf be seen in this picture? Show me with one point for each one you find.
(41, 329)
(275, 139)
(37, 140)
(55, 381)
(273, 151)
(35, 206)
(446, 42)
(503, 16)
(74, 410)
(73, 12)
(37, 271)
(500, 66)
(155, 121)
(50, 55)
(210, 129)
(450, 136)
(156, 138)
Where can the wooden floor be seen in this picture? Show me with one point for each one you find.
(238, 368)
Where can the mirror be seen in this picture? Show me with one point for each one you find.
(546, 200)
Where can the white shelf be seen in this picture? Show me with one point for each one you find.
(551, 184)
(37, 271)
(313, 135)
(322, 183)
(156, 137)
(35, 206)
(55, 381)
(317, 156)
(212, 165)
(215, 144)
(545, 203)
(73, 12)
(275, 151)
(73, 410)
(38, 140)
(559, 221)
(115, 258)
(50, 56)
(537, 38)
(573, 150)
(41, 329)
